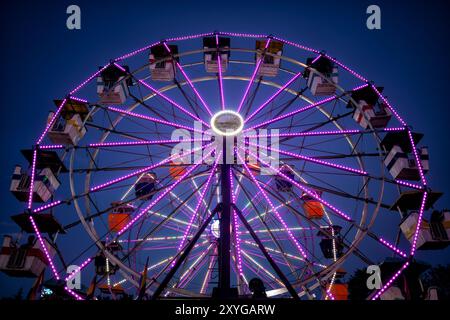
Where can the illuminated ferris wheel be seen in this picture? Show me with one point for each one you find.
(224, 165)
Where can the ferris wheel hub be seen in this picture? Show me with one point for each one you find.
(227, 123)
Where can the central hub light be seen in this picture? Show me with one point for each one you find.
(227, 123)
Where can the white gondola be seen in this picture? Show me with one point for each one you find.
(433, 234)
(28, 260)
(403, 166)
(377, 115)
(112, 87)
(66, 131)
(271, 62)
(322, 81)
(162, 66)
(45, 184)
(210, 57)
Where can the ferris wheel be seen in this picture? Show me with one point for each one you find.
(224, 165)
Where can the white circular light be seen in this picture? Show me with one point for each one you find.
(227, 123)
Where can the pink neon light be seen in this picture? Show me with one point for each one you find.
(120, 67)
(291, 236)
(416, 156)
(394, 129)
(73, 293)
(304, 189)
(140, 116)
(258, 64)
(33, 173)
(236, 228)
(47, 206)
(51, 146)
(162, 95)
(51, 122)
(219, 63)
(392, 247)
(162, 195)
(87, 80)
(347, 68)
(419, 223)
(388, 284)
(297, 45)
(74, 272)
(325, 163)
(197, 207)
(139, 143)
(189, 81)
(135, 173)
(190, 37)
(317, 58)
(360, 87)
(389, 105)
(290, 114)
(44, 247)
(242, 35)
(276, 94)
(128, 55)
(78, 99)
(408, 184)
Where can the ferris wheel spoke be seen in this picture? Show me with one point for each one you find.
(190, 82)
(312, 160)
(199, 203)
(193, 268)
(292, 113)
(161, 196)
(255, 71)
(291, 236)
(271, 98)
(304, 189)
(258, 214)
(146, 169)
(144, 117)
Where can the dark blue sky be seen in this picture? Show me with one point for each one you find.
(42, 59)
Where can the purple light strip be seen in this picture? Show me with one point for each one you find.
(276, 94)
(197, 207)
(162, 95)
(392, 247)
(317, 58)
(304, 189)
(78, 99)
(312, 133)
(135, 173)
(274, 210)
(47, 206)
(190, 37)
(242, 35)
(347, 68)
(51, 146)
(314, 160)
(73, 293)
(394, 129)
(44, 247)
(128, 55)
(388, 284)
(162, 195)
(416, 156)
(33, 173)
(360, 87)
(419, 223)
(258, 64)
(389, 105)
(219, 63)
(189, 81)
(88, 79)
(296, 45)
(51, 122)
(141, 116)
(236, 228)
(290, 114)
(74, 272)
(410, 185)
(139, 143)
